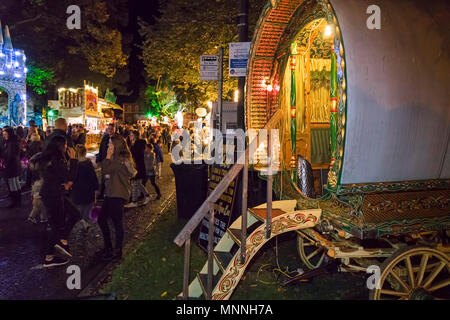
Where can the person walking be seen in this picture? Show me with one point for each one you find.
(118, 168)
(159, 156)
(150, 167)
(12, 166)
(58, 175)
(137, 148)
(84, 185)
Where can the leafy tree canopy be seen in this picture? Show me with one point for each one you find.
(39, 78)
(161, 100)
(94, 53)
(185, 31)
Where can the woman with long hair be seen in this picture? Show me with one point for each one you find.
(13, 167)
(84, 185)
(58, 175)
(118, 170)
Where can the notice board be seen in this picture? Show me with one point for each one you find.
(225, 209)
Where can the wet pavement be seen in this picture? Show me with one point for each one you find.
(22, 247)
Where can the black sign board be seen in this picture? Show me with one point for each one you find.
(225, 209)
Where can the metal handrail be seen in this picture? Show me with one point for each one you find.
(184, 237)
(220, 189)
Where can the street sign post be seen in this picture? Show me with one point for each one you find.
(209, 68)
(239, 52)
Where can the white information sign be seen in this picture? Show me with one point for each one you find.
(208, 68)
(239, 52)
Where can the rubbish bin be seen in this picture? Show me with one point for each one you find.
(191, 183)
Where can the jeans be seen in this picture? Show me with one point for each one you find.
(62, 216)
(84, 210)
(138, 189)
(112, 208)
(158, 169)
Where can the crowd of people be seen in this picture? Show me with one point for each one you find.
(65, 187)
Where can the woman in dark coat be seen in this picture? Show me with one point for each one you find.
(137, 148)
(84, 185)
(13, 167)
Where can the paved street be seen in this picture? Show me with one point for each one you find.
(22, 247)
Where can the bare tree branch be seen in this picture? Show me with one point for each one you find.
(26, 21)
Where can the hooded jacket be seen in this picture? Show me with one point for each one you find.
(118, 174)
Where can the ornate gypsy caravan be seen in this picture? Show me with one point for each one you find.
(364, 142)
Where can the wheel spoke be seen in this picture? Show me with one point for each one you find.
(321, 259)
(393, 293)
(402, 283)
(433, 275)
(410, 271)
(423, 266)
(314, 253)
(439, 285)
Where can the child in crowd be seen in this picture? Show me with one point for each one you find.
(84, 186)
(150, 167)
(38, 206)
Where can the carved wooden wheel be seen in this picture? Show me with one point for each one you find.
(312, 255)
(414, 273)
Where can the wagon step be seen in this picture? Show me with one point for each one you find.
(278, 208)
(203, 279)
(223, 259)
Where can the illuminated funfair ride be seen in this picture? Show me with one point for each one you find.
(363, 124)
(13, 73)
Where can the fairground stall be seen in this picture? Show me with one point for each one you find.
(359, 96)
(83, 106)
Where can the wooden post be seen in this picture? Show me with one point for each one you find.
(187, 254)
(309, 105)
(210, 252)
(244, 208)
(220, 89)
(269, 187)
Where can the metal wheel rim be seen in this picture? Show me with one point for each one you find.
(420, 280)
(306, 257)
